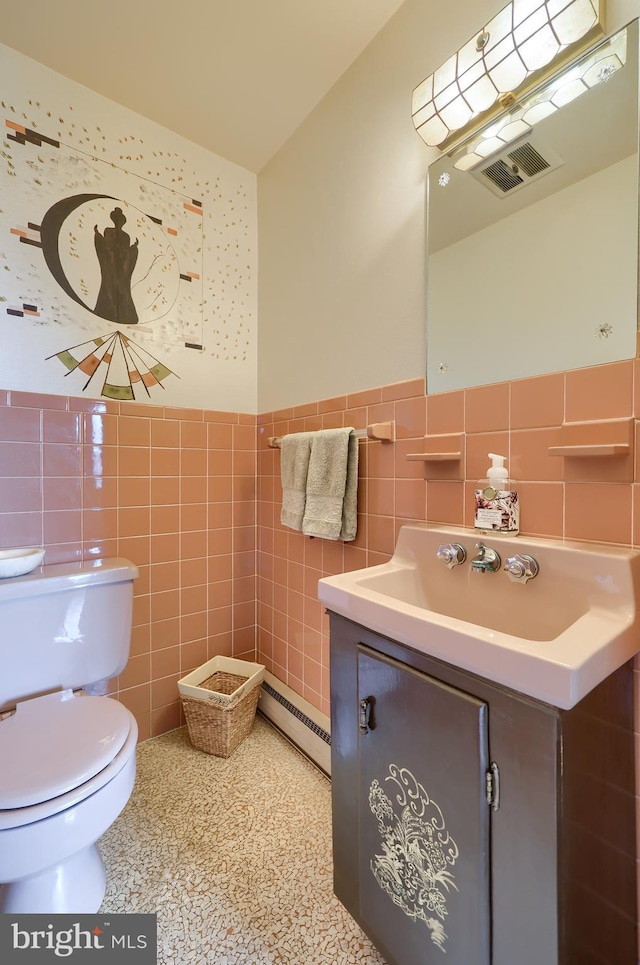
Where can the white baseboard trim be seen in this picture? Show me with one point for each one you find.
(298, 720)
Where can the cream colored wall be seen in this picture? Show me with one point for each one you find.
(341, 218)
(100, 150)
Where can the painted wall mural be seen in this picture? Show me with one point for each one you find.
(127, 270)
(417, 851)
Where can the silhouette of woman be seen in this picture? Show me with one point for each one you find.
(117, 259)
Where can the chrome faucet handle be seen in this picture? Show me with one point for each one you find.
(451, 554)
(487, 559)
(521, 568)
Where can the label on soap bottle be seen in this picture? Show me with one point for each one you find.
(497, 510)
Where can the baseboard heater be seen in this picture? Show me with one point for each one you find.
(298, 720)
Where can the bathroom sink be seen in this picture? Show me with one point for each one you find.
(553, 638)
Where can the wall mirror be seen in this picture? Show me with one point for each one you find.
(533, 230)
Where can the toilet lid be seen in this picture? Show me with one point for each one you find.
(55, 743)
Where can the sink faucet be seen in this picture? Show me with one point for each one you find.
(487, 559)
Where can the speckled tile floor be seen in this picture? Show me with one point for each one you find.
(233, 855)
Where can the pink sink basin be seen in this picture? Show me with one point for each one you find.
(553, 638)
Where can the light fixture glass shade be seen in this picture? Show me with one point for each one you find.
(481, 96)
(444, 77)
(510, 51)
(456, 114)
(523, 9)
(574, 22)
(508, 75)
(435, 129)
(539, 50)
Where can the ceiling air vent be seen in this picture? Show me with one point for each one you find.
(517, 167)
(527, 158)
(504, 176)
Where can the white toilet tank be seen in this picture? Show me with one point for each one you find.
(68, 625)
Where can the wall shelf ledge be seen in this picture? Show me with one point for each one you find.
(597, 450)
(443, 456)
(434, 456)
(589, 451)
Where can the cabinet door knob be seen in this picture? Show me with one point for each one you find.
(365, 715)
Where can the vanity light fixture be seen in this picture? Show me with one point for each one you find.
(593, 69)
(511, 53)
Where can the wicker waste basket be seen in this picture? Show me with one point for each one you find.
(220, 700)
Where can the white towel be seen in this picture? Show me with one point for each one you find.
(294, 467)
(332, 485)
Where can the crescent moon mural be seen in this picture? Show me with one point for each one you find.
(123, 276)
(101, 253)
(123, 280)
(49, 237)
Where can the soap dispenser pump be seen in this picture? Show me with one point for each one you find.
(497, 507)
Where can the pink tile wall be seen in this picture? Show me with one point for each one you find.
(519, 419)
(292, 628)
(173, 490)
(177, 490)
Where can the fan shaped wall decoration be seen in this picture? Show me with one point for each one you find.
(121, 363)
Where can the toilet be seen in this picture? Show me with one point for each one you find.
(67, 754)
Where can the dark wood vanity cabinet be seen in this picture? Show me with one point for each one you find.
(471, 822)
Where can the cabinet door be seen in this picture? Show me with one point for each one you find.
(423, 816)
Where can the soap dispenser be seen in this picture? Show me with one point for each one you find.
(497, 507)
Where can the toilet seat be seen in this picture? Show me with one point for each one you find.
(54, 744)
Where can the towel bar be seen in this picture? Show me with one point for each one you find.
(385, 431)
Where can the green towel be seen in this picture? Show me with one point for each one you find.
(294, 466)
(332, 485)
